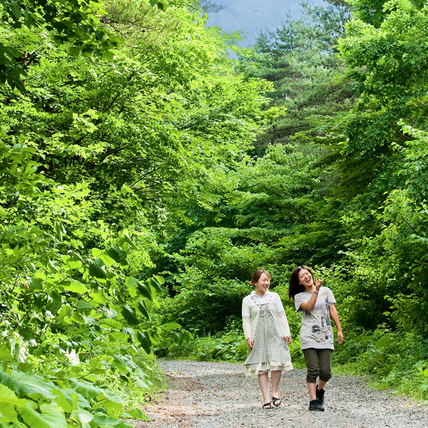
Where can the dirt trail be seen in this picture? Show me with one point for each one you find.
(217, 395)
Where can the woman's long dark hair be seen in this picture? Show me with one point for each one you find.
(295, 287)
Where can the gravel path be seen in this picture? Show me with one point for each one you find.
(217, 395)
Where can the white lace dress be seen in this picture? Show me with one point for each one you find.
(265, 321)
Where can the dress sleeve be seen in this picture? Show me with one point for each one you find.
(283, 322)
(245, 308)
(282, 318)
(246, 323)
(246, 319)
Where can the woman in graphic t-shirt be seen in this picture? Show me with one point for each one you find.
(317, 306)
(268, 334)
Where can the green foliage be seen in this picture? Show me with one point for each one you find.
(227, 345)
(204, 301)
(58, 399)
(134, 210)
(348, 196)
(73, 22)
(93, 155)
(298, 57)
(390, 360)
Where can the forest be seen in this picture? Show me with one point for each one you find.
(146, 173)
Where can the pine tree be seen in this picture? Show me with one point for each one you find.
(299, 58)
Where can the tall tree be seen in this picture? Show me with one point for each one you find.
(299, 58)
(92, 154)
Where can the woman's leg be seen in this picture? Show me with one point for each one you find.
(321, 384)
(275, 377)
(264, 387)
(312, 363)
(325, 366)
(325, 369)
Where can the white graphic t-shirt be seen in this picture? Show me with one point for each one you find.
(316, 329)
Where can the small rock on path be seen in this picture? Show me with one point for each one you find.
(217, 395)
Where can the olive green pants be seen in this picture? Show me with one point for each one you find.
(318, 362)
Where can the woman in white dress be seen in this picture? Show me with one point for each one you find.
(268, 334)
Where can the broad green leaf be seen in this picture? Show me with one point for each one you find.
(8, 401)
(87, 389)
(137, 414)
(130, 241)
(64, 314)
(62, 401)
(82, 416)
(145, 291)
(159, 279)
(120, 364)
(9, 397)
(74, 264)
(114, 324)
(15, 9)
(145, 341)
(78, 318)
(129, 331)
(171, 326)
(77, 287)
(384, 341)
(36, 284)
(8, 414)
(112, 407)
(56, 300)
(96, 252)
(24, 384)
(51, 266)
(160, 5)
(131, 283)
(143, 309)
(108, 55)
(155, 285)
(176, 337)
(107, 259)
(129, 314)
(49, 417)
(96, 269)
(117, 254)
(113, 397)
(98, 297)
(118, 335)
(5, 354)
(84, 306)
(105, 421)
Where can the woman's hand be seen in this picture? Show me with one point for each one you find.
(250, 343)
(318, 283)
(287, 339)
(340, 337)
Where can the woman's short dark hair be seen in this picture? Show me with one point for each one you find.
(257, 274)
(295, 287)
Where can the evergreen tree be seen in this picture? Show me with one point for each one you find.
(299, 59)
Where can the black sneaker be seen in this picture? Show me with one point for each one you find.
(316, 405)
(320, 395)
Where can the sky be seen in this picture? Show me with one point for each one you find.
(253, 16)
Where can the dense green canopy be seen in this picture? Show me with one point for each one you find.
(144, 176)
